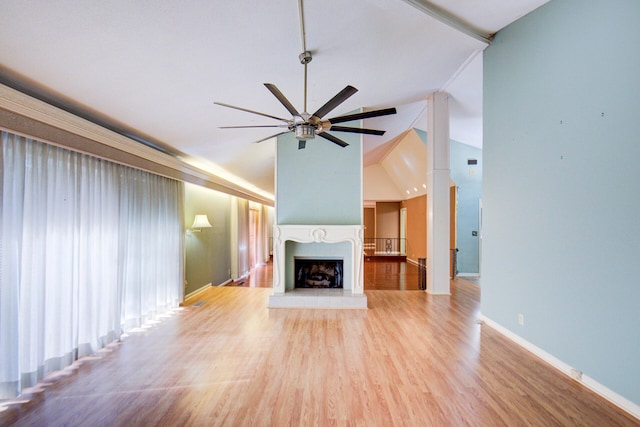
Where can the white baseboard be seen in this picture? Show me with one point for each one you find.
(204, 288)
(468, 274)
(610, 395)
(197, 291)
(225, 283)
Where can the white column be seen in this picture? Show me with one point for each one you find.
(438, 194)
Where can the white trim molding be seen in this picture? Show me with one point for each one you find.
(33, 118)
(197, 291)
(475, 275)
(610, 395)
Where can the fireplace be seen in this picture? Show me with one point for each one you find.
(318, 273)
(287, 294)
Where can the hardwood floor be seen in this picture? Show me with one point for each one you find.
(377, 275)
(412, 359)
(394, 275)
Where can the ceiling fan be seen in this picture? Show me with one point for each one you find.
(306, 126)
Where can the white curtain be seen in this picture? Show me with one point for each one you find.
(88, 249)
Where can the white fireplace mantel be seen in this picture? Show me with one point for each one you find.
(318, 234)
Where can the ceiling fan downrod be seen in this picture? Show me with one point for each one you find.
(305, 130)
(306, 126)
(305, 58)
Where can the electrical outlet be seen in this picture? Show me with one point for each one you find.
(575, 374)
(521, 319)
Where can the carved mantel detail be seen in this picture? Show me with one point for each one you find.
(318, 234)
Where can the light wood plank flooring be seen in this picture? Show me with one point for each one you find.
(378, 275)
(412, 359)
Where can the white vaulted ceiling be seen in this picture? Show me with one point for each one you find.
(154, 68)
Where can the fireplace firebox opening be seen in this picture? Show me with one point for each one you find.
(318, 273)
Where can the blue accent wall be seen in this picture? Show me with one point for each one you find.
(469, 186)
(561, 216)
(318, 185)
(321, 184)
(468, 179)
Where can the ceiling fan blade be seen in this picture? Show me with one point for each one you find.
(251, 111)
(361, 116)
(333, 139)
(283, 100)
(342, 96)
(257, 126)
(272, 136)
(357, 130)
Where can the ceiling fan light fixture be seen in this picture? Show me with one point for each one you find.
(306, 126)
(305, 131)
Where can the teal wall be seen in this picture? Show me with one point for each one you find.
(561, 184)
(468, 180)
(469, 186)
(321, 184)
(207, 254)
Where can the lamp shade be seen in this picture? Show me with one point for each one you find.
(201, 221)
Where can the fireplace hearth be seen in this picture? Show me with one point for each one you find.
(318, 273)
